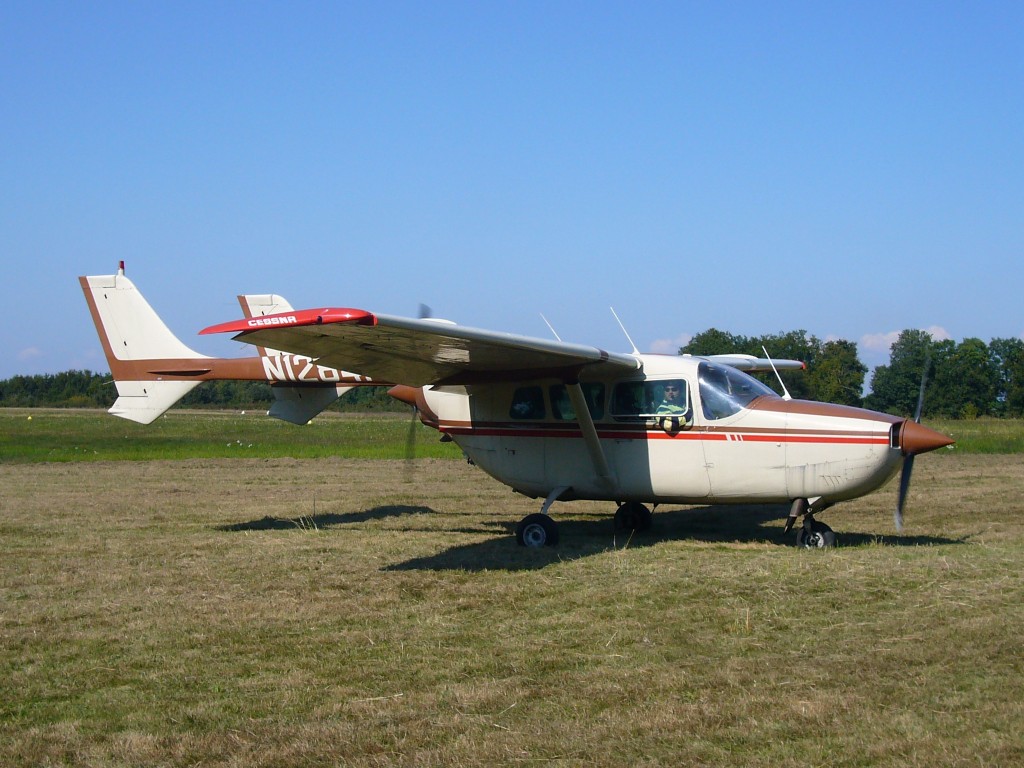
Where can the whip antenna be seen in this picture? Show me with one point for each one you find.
(624, 331)
(785, 392)
(550, 326)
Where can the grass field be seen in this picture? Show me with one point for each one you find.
(266, 610)
(36, 434)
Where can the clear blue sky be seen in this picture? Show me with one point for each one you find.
(851, 169)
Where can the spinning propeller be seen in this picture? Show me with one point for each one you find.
(915, 439)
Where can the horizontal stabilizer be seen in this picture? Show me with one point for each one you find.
(144, 401)
(299, 404)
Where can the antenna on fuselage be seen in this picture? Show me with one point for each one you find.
(550, 326)
(785, 392)
(624, 331)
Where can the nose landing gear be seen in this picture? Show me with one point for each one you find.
(812, 534)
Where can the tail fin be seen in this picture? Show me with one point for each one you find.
(293, 403)
(135, 341)
(153, 369)
(259, 304)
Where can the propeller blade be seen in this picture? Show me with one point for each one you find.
(908, 462)
(908, 469)
(920, 394)
(410, 447)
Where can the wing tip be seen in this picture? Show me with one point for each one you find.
(295, 319)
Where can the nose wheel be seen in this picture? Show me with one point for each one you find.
(812, 534)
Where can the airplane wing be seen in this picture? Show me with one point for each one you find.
(402, 350)
(752, 364)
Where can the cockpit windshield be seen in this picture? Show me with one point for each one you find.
(725, 390)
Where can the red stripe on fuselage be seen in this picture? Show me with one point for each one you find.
(558, 431)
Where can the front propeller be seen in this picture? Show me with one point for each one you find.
(914, 439)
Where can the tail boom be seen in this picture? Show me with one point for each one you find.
(153, 369)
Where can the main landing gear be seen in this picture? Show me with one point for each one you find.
(812, 534)
(632, 516)
(539, 530)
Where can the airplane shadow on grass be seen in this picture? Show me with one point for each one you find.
(585, 536)
(326, 520)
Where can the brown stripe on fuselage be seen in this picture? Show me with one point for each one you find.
(812, 408)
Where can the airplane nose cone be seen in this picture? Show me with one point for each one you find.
(405, 394)
(916, 438)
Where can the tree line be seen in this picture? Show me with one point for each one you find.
(86, 389)
(963, 380)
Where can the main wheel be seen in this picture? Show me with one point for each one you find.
(819, 537)
(632, 516)
(537, 530)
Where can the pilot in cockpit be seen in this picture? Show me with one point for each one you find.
(673, 401)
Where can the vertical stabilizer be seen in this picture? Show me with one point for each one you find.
(296, 404)
(138, 345)
(259, 304)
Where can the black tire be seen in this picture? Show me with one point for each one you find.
(537, 530)
(632, 516)
(819, 537)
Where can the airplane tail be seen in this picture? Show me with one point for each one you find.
(292, 403)
(153, 369)
(137, 343)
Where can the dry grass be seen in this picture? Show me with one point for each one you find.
(327, 611)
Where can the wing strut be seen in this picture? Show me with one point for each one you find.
(586, 422)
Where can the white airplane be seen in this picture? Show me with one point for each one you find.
(563, 421)
(551, 419)
(153, 369)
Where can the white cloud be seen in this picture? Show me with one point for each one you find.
(937, 332)
(30, 353)
(878, 342)
(670, 346)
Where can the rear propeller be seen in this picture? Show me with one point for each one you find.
(908, 462)
(410, 446)
(424, 313)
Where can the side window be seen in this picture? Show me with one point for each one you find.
(628, 400)
(671, 397)
(527, 403)
(637, 400)
(561, 405)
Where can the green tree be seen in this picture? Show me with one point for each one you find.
(895, 387)
(1007, 358)
(792, 345)
(1014, 372)
(965, 380)
(716, 342)
(838, 374)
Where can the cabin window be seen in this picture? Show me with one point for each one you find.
(527, 403)
(561, 405)
(638, 400)
(725, 391)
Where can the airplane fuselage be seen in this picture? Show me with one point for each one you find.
(731, 440)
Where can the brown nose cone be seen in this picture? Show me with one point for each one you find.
(916, 438)
(405, 394)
